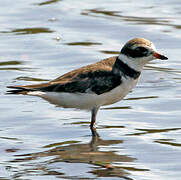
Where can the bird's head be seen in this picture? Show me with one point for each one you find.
(139, 52)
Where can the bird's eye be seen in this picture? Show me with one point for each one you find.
(142, 50)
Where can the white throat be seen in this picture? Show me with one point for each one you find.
(134, 63)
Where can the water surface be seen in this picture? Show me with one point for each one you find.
(139, 137)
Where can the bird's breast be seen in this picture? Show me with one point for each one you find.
(120, 91)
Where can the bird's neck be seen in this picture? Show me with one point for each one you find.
(125, 67)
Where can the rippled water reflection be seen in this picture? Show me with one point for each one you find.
(139, 138)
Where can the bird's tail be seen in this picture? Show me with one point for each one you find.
(18, 90)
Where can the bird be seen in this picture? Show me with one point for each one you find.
(102, 83)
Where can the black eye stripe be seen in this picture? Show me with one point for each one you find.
(137, 52)
(141, 49)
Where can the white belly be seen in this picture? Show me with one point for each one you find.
(87, 100)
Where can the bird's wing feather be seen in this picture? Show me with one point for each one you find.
(77, 80)
(97, 82)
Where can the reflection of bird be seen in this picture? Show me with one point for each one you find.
(105, 163)
(99, 84)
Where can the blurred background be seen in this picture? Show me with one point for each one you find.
(139, 137)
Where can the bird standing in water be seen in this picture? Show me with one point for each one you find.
(99, 84)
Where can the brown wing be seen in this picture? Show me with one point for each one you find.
(68, 78)
(104, 65)
(97, 82)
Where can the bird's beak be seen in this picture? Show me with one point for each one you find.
(159, 56)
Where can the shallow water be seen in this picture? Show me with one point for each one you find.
(139, 137)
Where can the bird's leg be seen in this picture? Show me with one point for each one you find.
(93, 116)
(93, 119)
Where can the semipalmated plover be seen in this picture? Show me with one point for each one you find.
(103, 83)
